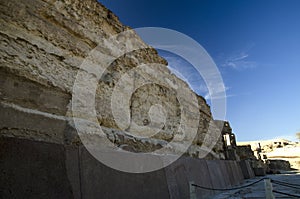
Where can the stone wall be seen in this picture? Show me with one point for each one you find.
(43, 47)
(245, 152)
(35, 169)
(279, 165)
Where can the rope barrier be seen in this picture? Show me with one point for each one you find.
(281, 182)
(234, 188)
(287, 194)
(248, 185)
(285, 185)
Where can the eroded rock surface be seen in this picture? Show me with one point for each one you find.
(46, 46)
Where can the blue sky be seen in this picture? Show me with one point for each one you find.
(256, 46)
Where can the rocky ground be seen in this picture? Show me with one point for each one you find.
(257, 191)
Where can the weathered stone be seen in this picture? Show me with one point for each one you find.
(245, 152)
(279, 165)
(142, 104)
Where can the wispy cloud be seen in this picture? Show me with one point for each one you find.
(239, 60)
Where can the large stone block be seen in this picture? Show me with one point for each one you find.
(30, 169)
(237, 172)
(246, 169)
(259, 171)
(21, 122)
(29, 94)
(188, 170)
(226, 173)
(216, 174)
(98, 180)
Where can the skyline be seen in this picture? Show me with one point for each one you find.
(256, 47)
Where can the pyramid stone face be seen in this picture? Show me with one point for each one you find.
(44, 46)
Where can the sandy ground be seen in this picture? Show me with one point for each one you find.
(257, 191)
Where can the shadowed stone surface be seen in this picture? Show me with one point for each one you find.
(216, 175)
(31, 169)
(226, 173)
(197, 172)
(246, 169)
(99, 180)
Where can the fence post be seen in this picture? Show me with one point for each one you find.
(192, 190)
(269, 189)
